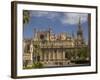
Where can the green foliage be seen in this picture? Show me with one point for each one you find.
(83, 53)
(27, 67)
(34, 65)
(37, 65)
(26, 16)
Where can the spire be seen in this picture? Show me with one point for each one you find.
(73, 36)
(79, 24)
(34, 33)
(79, 32)
(49, 33)
(50, 29)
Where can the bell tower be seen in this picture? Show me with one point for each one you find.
(80, 40)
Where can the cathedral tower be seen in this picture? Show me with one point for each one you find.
(80, 40)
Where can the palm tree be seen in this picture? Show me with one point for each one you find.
(26, 16)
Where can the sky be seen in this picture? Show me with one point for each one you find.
(58, 21)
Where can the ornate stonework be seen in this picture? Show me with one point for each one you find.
(53, 49)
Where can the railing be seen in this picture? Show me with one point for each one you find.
(55, 44)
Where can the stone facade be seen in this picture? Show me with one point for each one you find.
(53, 49)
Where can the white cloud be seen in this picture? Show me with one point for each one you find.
(73, 18)
(38, 13)
(64, 18)
(50, 15)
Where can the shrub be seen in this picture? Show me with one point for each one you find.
(37, 65)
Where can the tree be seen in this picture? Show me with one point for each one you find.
(26, 16)
(83, 53)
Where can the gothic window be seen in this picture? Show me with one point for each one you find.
(42, 37)
(66, 55)
(55, 51)
(28, 48)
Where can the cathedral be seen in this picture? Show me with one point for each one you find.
(52, 49)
